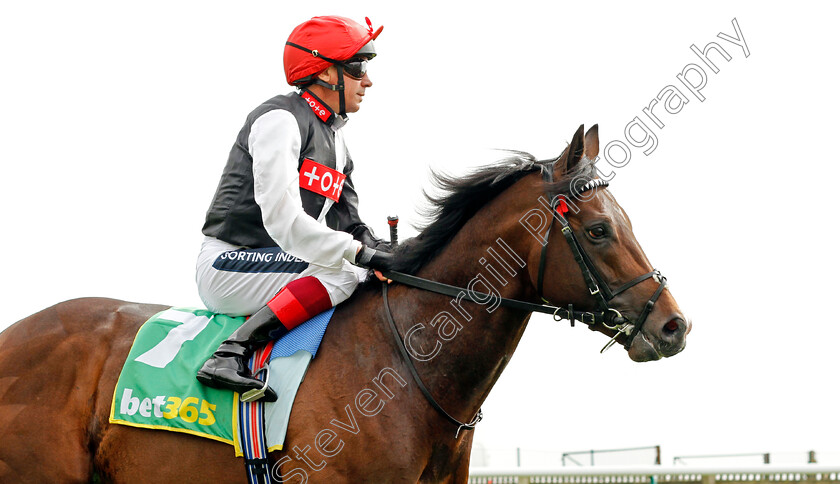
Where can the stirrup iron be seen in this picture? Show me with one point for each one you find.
(255, 394)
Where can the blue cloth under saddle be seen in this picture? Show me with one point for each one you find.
(306, 336)
(288, 363)
(289, 359)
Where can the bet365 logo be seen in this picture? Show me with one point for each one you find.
(189, 409)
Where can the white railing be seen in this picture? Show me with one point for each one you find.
(768, 473)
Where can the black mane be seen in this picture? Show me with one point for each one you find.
(463, 196)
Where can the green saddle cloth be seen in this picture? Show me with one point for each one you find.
(157, 387)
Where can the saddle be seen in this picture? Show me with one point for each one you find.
(157, 388)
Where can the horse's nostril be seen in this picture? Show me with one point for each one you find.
(672, 326)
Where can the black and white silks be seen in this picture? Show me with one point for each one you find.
(259, 201)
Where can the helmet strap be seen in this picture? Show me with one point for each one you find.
(336, 87)
(340, 69)
(333, 87)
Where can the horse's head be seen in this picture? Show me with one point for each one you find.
(598, 262)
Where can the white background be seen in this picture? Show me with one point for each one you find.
(116, 120)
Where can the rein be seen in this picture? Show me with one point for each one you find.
(417, 379)
(609, 317)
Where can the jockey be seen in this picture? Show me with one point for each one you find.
(285, 214)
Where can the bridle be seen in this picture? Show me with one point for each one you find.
(606, 316)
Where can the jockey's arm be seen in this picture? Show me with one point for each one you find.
(274, 144)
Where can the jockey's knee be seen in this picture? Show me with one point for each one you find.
(340, 285)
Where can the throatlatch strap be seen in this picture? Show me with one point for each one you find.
(252, 425)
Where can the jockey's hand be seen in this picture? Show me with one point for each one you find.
(374, 259)
(381, 277)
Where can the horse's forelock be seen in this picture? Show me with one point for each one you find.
(584, 176)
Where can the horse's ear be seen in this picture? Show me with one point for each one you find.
(575, 150)
(590, 143)
(571, 156)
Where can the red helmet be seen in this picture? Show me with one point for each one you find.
(317, 43)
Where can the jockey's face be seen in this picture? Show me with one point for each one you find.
(354, 90)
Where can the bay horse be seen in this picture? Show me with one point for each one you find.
(360, 416)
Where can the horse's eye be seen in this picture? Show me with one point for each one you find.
(597, 232)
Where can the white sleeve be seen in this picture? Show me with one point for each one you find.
(274, 144)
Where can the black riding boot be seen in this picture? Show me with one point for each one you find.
(227, 367)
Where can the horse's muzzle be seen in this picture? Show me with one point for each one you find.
(655, 341)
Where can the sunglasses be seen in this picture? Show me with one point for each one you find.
(355, 68)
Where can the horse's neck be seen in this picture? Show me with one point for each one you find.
(464, 346)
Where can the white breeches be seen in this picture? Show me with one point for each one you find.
(237, 281)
